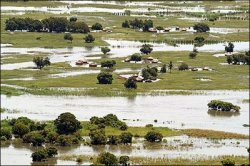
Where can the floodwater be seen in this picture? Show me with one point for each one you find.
(167, 110)
(119, 48)
(173, 147)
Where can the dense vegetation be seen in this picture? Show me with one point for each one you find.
(222, 106)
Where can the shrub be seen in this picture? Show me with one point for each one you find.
(5, 132)
(125, 24)
(66, 123)
(222, 106)
(40, 62)
(105, 50)
(78, 27)
(153, 136)
(107, 159)
(228, 162)
(89, 38)
(192, 55)
(23, 120)
(105, 78)
(130, 83)
(149, 125)
(113, 140)
(68, 36)
(34, 137)
(98, 137)
(51, 151)
(126, 137)
(51, 137)
(159, 28)
(97, 26)
(199, 39)
(64, 140)
(183, 66)
(108, 63)
(39, 155)
(164, 68)
(135, 57)
(201, 27)
(124, 160)
(20, 129)
(146, 49)
(229, 47)
(149, 73)
(73, 19)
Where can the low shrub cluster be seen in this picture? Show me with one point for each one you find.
(222, 106)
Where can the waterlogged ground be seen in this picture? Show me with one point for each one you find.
(174, 111)
(172, 147)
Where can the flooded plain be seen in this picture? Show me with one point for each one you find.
(191, 113)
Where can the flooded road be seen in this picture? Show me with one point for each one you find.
(174, 111)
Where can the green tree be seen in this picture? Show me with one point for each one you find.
(170, 66)
(229, 47)
(105, 50)
(135, 57)
(199, 39)
(201, 27)
(97, 26)
(126, 138)
(40, 62)
(66, 123)
(78, 27)
(20, 129)
(104, 78)
(51, 151)
(39, 155)
(113, 140)
(65, 140)
(164, 68)
(192, 55)
(130, 83)
(153, 136)
(5, 132)
(147, 24)
(125, 24)
(108, 159)
(227, 162)
(89, 38)
(10, 25)
(68, 36)
(97, 137)
(108, 63)
(146, 49)
(73, 19)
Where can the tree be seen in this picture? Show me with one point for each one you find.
(125, 24)
(78, 27)
(199, 39)
(124, 160)
(201, 27)
(40, 62)
(64, 140)
(105, 50)
(66, 123)
(97, 137)
(130, 83)
(146, 49)
(20, 129)
(229, 47)
(183, 66)
(68, 36)
(37, 139)
(107, 159)
(10, 25)
(39, 155)
(5, 132)
(127, 12)
(153, 136)
(97, 26)
(170, 66)
(108, 63)
(89, 38)
(192, 55)
(104, 78)
(159, 28)
(57, 24)
(52, 137)
(113, 140)
(126, 137)
(164, 68)
(135, 57)
(147, 24)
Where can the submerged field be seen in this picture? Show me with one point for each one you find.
(175, 103)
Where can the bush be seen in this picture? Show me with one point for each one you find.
(73, 19)
(135, 57)
(64, 140)
(130, 83)
(89, 38)
(149, 125)
(51, 137)
(192, 55)
(68, 36)
(20, 129)
(146, 49)
(125, 24)
(113, 140)
(107, 159)
(126, 138)
(201, 27)
(153, 136)
(66, 123)
(227, 162)
(98, 137)
(199, 39)
(164, 68)
(5, 132)
(222, 106)
(105, 78)
(105, 50)
(108, 63)
(124, 160)
(34, 137)
(39, 155)
(183, 66)
(229, 47)
(97, 26)
(23, 120)
(149, 73)
(159, 28)
(78, 27)
(51, 151)
(40, 62)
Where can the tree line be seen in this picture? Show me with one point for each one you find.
(138, 24)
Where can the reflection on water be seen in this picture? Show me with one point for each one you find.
(216, 113)
(190, 110)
